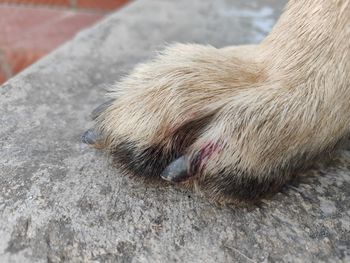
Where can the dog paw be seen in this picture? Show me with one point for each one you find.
(205, 117)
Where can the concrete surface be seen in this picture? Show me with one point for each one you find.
(61, 201)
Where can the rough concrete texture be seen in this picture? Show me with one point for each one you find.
(61, 201)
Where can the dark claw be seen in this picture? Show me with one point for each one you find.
(90, 137)
(96, 112)
(176, 171)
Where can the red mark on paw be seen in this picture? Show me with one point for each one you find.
(204, 154)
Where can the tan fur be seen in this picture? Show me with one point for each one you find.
(269, 108)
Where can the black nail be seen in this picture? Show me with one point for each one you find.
(90, 137)
(176, 171)
(97, 112)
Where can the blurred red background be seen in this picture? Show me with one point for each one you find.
(29, 29)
